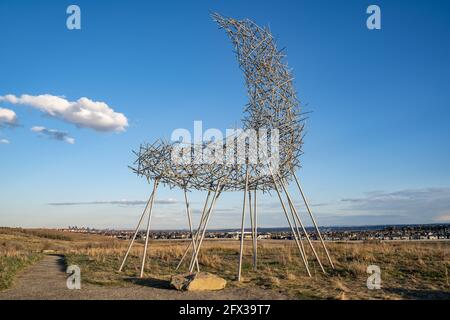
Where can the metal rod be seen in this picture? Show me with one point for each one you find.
(313, 220)
(155, 186)
(301, 224)
(136, 232)
(213, 202)
(199, 232)
(290, 224)
(252, 225)
(298, 231)
(188, 211)
(242, 226)
(202, 220)
(255, 256)
(196, 233)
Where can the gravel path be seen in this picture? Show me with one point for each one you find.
(47, 280)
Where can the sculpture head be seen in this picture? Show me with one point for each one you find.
(273, 110)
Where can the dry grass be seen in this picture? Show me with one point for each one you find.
(14, 256)
(409, 269)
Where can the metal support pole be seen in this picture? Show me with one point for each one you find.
(136, 232)
(296, 228)
(202, 221)
(301, 224)
(252, 225)
(188, 211)
(211, 208)
(155, 187)
(313, 220)
(196, 233)
(200, 231)
(255, 256)
(290, 224)
(242, 226)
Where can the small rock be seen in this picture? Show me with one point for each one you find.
(201, 281)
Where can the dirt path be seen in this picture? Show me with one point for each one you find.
(47, 280)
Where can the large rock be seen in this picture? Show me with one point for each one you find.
(201, 281)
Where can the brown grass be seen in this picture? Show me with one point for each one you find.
(417, 270)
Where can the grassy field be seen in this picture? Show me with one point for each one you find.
(15, 254)
(409, 270)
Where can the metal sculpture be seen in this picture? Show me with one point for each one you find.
(273, 110)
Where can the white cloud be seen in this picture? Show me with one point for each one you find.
(410, 205)
(54, 134)
(168, 201)
(442, 218)
(84, 112)
(4, 141)
(7, 116)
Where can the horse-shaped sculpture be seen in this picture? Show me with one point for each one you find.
(263, 156)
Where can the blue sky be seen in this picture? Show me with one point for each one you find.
(377, 146)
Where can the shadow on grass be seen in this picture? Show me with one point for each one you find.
(61, 261)
(420, 294)
(150, 282)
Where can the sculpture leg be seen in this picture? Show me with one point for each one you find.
(301, 224)
(155, 187)
(136, 232)
(211, 208)
(290, 224)
(196, 233)
(241, 248)
(291, 206)
(252, 225)
(255, 256)
(190, 225)
(313, 220)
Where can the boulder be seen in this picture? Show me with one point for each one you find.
(200, 281)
